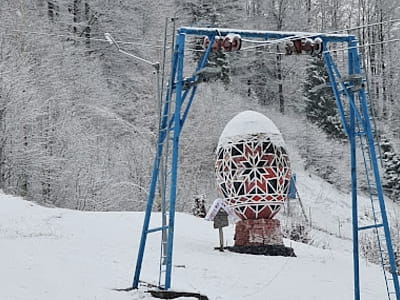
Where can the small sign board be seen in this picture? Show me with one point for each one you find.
(220, 213)
(221, 219)
(216, 207)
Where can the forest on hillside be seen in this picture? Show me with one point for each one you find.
(78, 119)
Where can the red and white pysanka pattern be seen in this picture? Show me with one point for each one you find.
(253, 176)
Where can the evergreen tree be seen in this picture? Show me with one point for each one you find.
(199, 206)
(213, 14)
(218, 61)
(391, 175)
(321, 108)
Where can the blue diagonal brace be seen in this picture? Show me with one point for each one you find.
(329, 68)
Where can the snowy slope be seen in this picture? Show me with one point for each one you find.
(49, 253)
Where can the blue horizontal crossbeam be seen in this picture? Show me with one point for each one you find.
(370, 226)
(157, 229)
(326, 37)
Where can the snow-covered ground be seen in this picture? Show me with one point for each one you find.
(50, 253)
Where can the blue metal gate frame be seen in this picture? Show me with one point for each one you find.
(353, 112)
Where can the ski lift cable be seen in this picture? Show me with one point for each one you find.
(197, 50)
(112, 41)
(78, 38)
(106, 39)
(326, 51)
(261, 43)
(277, 41)
(328, 32)
(363, 45)
(73, 37)
(247, 40)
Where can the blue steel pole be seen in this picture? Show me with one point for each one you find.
(378, 184)
(356, 262)
(146, 220)
(175, 156)
(352, 139)
(156, 167)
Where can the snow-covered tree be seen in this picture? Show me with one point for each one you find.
(391, 175)
(78, 120)
(199, 206)
(320, 102)
(214, 14)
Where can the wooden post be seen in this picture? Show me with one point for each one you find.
(221, 239)
(221, 221)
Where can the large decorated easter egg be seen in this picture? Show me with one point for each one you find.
(252, 166)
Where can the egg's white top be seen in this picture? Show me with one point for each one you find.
(247, 123)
